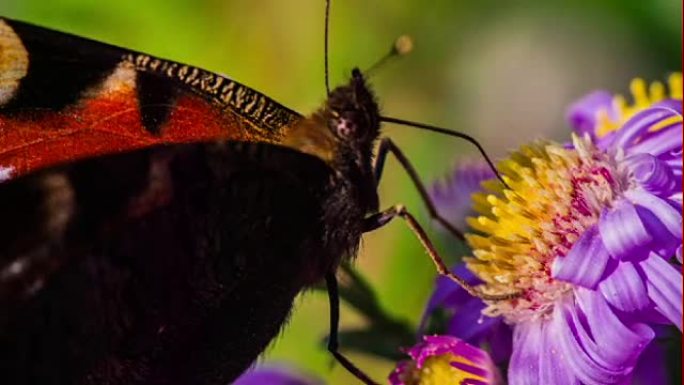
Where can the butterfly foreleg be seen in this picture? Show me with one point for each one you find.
(386, 147)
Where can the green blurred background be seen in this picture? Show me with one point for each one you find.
(501, 71)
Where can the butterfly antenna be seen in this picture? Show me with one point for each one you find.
(449, 132)
(402, 46)
(327, 38)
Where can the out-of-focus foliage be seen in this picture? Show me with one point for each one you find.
(501, 71)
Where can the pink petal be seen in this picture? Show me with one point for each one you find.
(623, 234)
(585, 263)
(625, 289)
(664, 286)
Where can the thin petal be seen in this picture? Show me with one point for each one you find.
(501, 342)
(664, 243)
(452, 196)
(618, 344)
(449, 295)
(583, 366)
(652, 174)
(601, 350)
(469, 324)
(582, 115)
(643, 121)
(585, 263)
(623, 234)
(625, 289)
(664, 286)
(659, 143)
(527, 348)
(664, 212)
(552, 366)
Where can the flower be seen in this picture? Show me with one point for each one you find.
(275, 375)
(464, 316)
(587, 236)
(445, 360)
(452, 195)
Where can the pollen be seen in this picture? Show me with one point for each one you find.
(556, 194)
(643, 96)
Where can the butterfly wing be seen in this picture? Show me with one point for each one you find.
(64, 98)
(173, 265)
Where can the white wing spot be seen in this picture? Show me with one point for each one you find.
(6, 173)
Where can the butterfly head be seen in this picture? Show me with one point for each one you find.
(352, 113)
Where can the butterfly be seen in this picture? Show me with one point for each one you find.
(159, 219)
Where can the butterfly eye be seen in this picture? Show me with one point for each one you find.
(345, 127)
(348, 124)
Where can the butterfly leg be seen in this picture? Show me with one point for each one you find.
(380, 219)
(386, 147)
(333, 343)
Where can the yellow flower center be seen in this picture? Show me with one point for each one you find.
(557, 193)
(644, 96)
(437, 370)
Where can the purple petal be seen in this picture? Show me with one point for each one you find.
(452, 197)
(472, 381)
(448, 295)
(501, 342)
(600, 350)
(659, 143)
(564, 321)
(617, 345)
(622, 232)
(652, 174)
(641, 122)
(552, 366)
(583, 113)
(664, 286)
(675, 165)
(664, 243)
(469, 324)
(625, 289)
(527, 348)
(585, 263)
(668, 216)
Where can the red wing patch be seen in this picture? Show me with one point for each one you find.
(65, 98)
(106, 124)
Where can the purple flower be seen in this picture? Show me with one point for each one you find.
(453, 194)
(445, 360)
(587, 236)
(465, 318)
(275, 375)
